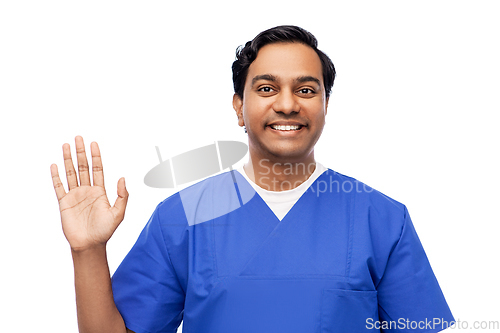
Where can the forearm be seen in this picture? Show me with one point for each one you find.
(96, 308)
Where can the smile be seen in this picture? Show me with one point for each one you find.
(286, 127)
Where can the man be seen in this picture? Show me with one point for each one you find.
(280, 245)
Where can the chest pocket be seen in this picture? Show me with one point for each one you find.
(348, 311)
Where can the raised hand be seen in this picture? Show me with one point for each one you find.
(88, 220)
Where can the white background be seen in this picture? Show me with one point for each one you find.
(413, 113)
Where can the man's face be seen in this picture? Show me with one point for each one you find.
(284, 104)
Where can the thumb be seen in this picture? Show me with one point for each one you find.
(121, 202)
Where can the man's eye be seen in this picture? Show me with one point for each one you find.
(306, 91)
(266, 89)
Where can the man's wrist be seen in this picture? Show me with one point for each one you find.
(88, 250)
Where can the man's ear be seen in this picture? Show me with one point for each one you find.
(326, 105)
(238, 107)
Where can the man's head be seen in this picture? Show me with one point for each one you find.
(281, 34)
(281, 94)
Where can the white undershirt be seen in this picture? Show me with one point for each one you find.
(281, 202)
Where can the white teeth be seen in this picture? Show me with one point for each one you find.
(285, 127)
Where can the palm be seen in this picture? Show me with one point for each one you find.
(86, 215)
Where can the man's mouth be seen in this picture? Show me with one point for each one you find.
(286, 127)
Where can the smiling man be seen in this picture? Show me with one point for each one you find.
(282, 244)
(283, 107)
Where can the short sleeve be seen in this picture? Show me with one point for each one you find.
(409, 295)
(146, 289)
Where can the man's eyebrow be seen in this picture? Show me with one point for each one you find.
(267, 77)
(304, 79)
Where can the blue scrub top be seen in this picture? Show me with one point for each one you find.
(344, 259)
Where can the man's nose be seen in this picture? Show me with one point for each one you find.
(286, 102)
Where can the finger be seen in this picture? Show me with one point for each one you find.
(70, 169)
(83, 165)
(97, 173)
(121, 202)
(58, 185)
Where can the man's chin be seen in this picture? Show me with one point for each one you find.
(289, 155)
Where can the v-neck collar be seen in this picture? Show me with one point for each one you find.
(267, 209)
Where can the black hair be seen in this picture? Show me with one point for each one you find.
(284, 33)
